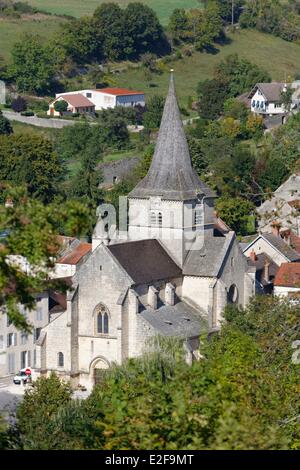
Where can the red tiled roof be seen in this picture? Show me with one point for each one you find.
(288, 275)
(119, 91)
(75, 255)
(77, 100)
(294, 239)
(295, 203)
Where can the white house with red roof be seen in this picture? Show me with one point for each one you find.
(77, 103)
(105, 98)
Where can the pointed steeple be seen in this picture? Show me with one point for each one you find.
(171, 175)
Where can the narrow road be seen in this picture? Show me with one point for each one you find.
(36, 121)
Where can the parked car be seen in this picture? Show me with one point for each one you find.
(21, 377)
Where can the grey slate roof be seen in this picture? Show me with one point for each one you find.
(281, 246)
(178, 320)
(145, 261)
(171, 175)
(209, 259)
(271, 91)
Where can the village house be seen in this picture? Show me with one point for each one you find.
(171, 275)
(287, 281)
(283, 207)
(103, 98)
(268, 251)
(77, 104)
(17, 348)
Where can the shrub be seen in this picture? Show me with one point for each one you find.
(19, 104)
(27, 113)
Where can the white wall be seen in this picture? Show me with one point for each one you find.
(262, 246)
(285, 291)
(268, 107)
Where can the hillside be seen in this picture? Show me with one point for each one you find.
(80, 8)
(257, 47)
(12, 29)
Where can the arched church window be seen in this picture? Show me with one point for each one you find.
(160, 219)
(153, 218)
(105, 323)
(102, 321)
(233, 294)
(60, 359)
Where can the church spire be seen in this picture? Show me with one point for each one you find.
(171, 175)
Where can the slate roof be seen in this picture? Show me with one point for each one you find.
(145, 261)
(177, 320)
(281, 246)
(208, 260)
(288, 275)
(171, 175)
(271, 91)
(259, 263)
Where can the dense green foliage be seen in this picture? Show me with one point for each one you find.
(33, 65)
(29, 230)
(232, 77)
(243, 394)
(61, 106)
(202, 28)
(5, 126)
(153, 114)
(273, 16)
(31, 160)
(114, 33)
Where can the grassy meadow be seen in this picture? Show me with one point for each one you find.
(12, 29)
(78, 8)
(257, 47)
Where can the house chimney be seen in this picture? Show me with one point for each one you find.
(287, 236)
(253, 256)
(267, 271)
(276, 229)
(170, 294)
(152, 297)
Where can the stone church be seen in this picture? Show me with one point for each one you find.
(172, 276)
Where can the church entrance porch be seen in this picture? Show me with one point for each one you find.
(97, 370)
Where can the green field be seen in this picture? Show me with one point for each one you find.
(278, 57)
(78, 8)
(12, 29)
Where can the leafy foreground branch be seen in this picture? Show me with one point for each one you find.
(244, 394)
(29, 246)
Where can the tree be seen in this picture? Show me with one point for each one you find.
(5, 126)
(154, 111)
(29, 231)
(42, 402)
(19, 104)
(61, 106)
(32, 65)
(286, 98)
(211, 96)
(85, 184)
(82, 40)
(143, 32)
(109, 21)
(235, 212)
(30, 159)
(178, 25)
(212, 404)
